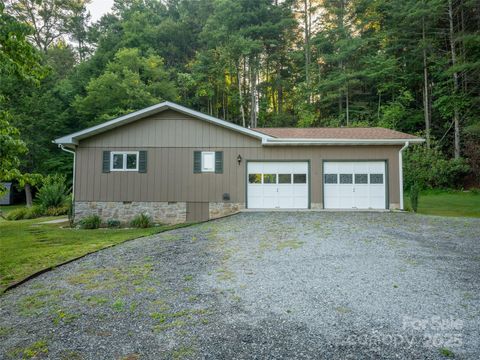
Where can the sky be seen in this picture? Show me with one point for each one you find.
(98, 8)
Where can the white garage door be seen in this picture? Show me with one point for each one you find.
(354, 185)
(277, 185)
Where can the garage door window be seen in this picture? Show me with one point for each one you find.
(299, 178)
(346, 179)
(331, 178)
(269, 178)
(361, 178)
(255, 178)
(376, 178)
(284, 178)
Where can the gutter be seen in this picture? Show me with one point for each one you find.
(74, 174)
(400, 172)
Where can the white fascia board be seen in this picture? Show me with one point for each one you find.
(73, 139)
(296, 142)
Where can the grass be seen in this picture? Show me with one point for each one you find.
(448, 203)
(27, 247)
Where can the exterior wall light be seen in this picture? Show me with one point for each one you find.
(239, 159)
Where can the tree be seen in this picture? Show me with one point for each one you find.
(11, 149)
(130, 82)
(50, 19)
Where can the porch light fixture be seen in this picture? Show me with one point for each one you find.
(239, 159)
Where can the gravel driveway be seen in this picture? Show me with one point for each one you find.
(262, 285)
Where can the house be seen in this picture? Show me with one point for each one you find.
(177, 165)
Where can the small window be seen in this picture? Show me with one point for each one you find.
(376, 178)
(346, 178)
(269, 178)
(255, 178)
(208, 161)
(284, 178)
(299, 178)
(124, 161)
(361, 178)
(331, 178)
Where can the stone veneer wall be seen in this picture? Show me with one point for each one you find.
(216, 210)
(161, 212)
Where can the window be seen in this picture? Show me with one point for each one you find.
(255, 178)
(299, 178)
(346, 178)
(269, 178)
(124, 161)
(376, 178)
(284, 178)
(208, 161)
(331, 178)
(361, 179)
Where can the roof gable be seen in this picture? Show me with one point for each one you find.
(73, 139)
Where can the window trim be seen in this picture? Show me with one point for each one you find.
(124, 162)
(202, 167)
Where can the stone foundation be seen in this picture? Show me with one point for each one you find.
(216, 210)
(161, 212)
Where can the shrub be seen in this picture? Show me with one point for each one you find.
(113, 223)
(90, 222)
(53, 193)
(17, 214)
(34, 212)
(57, 211)
(414, 194)
(429, 169)
(141, 221)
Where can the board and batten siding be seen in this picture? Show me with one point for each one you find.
(171, 138)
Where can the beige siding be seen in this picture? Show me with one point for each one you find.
(171, 138)
(170, 129)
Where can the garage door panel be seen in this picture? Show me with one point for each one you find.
(286, 193)
(366, 191)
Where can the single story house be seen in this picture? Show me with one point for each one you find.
(177, 165)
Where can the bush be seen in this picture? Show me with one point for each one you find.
(90, 222)
(57, 211)
(53, 193)
(34, 212)
(414, 194)
(17, 214)
(429, 169)
(113, 223)
(23, 213)
(141, 221)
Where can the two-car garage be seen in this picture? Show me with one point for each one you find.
(346, 185)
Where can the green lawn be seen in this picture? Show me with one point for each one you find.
(27, 247)
(448, 203)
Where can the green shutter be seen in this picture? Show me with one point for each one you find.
(106, 162)
(197, 162)
(219, 162)
(142, 161)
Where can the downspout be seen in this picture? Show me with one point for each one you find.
(400, 172)
(74, 173)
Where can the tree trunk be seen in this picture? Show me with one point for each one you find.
(28, 195)
(347, 106)
(240, 95)
(426, 112)
(306, 9)
(253, 104)
(456, 114)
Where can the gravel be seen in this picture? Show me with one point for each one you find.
(262, 285)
